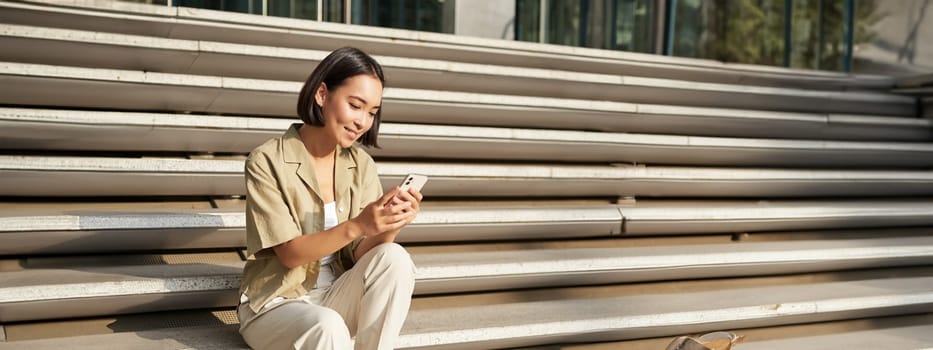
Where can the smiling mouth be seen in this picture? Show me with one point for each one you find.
(352, 133)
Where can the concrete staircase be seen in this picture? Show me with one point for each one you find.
(579, 199)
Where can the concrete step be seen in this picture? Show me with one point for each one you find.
(202, 338)
(918, 92)
(52, 288)
(42, 129)
(881, 336)
(892, 332)
(82, 231)
(121, 323)
(649, 217)
(194, 92)
(908, 337)
(915, 81)
(27, 84)
(447, 272)
(95, 231)
(589, 314)
(210, 58)
(59, 176)
(199, 24)
(567, 319)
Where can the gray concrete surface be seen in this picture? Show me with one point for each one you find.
(221, 92)
(97, 176)
(106, 131)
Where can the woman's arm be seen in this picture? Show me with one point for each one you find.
(311, 247)
(374, 219)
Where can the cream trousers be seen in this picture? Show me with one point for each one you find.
(369, 302)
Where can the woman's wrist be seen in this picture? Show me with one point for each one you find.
(354, 229)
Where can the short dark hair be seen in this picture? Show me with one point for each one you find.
(337, 67)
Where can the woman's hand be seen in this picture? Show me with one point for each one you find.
(386, 214)
(413, 198)
(403, 206)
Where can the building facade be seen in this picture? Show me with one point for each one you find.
(870, 36)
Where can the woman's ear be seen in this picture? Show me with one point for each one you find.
(320, 94)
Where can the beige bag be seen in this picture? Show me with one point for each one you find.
(708, 341)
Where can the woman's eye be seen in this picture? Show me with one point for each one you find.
(372, 115)
(354, 106)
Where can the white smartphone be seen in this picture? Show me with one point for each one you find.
(415, 181)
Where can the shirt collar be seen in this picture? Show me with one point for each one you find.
(296, 153)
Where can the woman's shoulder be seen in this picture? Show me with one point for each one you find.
(359, 155)
(276, 147)
(268, 149)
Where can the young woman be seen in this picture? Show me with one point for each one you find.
(322, 265)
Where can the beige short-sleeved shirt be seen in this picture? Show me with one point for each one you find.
(283, 202)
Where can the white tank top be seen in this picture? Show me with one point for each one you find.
(330, 220)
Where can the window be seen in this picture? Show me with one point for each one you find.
(425, 15)
(151, 2)
(247, 6)
(606, 24)
(331, 10)
(758, 32)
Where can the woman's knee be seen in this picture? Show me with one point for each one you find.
(326, 326)
(328, 319)
(298, 326)
(394, 255)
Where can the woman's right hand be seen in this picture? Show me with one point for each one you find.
(383, 215)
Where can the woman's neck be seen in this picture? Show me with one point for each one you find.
(317, 142)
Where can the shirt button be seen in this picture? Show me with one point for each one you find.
(341, 209)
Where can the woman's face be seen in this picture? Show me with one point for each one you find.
(350, 109)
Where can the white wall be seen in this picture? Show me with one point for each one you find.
(904, 41)
(485, 18)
